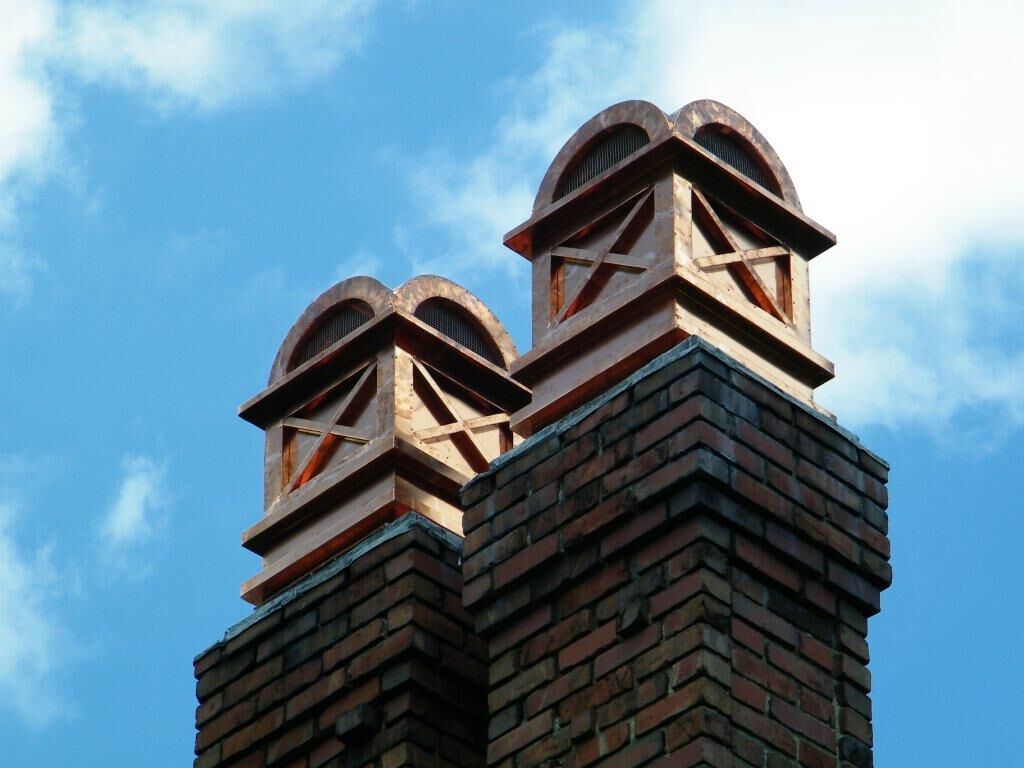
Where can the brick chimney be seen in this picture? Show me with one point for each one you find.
(671, 551)
(381, 405)
(677, 568)
(685, 566)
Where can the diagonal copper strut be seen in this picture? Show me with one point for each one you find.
(478, 460)
(740, 267)
(311, 464)
(619, 240)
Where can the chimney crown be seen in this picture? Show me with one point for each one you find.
(649, 228)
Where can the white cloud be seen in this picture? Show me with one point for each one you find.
(200, 55)
(363, 262)
(29, 134)
(895, 122)
(138, 510)
(17, 273)
(32, 639)
(898, 124)
(478, 198)
(37, 645)
(209, 53)
(27, 125)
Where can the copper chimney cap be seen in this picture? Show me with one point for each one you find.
(379, 403)
(649, 228)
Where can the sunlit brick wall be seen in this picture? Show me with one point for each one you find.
(684, 568)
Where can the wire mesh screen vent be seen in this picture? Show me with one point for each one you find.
(339, 324)
(729, 150)
(447, 318)
(620, 144)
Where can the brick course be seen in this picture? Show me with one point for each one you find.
(679, 573)
(375, 664)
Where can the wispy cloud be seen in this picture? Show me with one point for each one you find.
(17, 273)
(362, 262)
(29, 132)
(33, 641)
(210, 53)
(191, 55)
(896, 124)
(39, 581)
(471, 201)
(137, 513)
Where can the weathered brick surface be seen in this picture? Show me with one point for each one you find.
(681, 575)
(378, 665)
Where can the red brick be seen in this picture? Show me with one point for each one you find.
(552, 693)
(765, 620)
(749, 693)
(802, 723)
(764, 444)
(620, 476)
(794, 546)
(816, 706)
(676, 703)
(287, 743)
(609, 741)
(253, 733)
(518, 738)
(567, 630)
(813, 757)
(816, 651)
(365, 692)
(805, 673)
(626, 650)
(667, 424)
(636, 753)
(520, 685)
(763, 727)
(699, 462)
(354, 643)
(634, 529)
(525, 561)
(231, 720)
(748, 636)
(520, 630)
(765, 564)
(587, 647)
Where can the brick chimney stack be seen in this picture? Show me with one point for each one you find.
(685, 566)
(642, 543)
(677, 568)
(381, 405)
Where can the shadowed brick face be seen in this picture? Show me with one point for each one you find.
(681, 574)
(376, 665)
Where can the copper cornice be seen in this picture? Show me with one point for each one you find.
(775, 214)
(313, 375)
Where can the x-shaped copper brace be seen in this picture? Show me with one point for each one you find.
(330, 431)
(623, 237)
(458, 425)
(739, 262)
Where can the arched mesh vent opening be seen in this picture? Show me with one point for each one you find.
(336, 326)
(622, 142)
(448, 318)
(730, 150)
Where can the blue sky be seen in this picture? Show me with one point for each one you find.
(179, 179)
